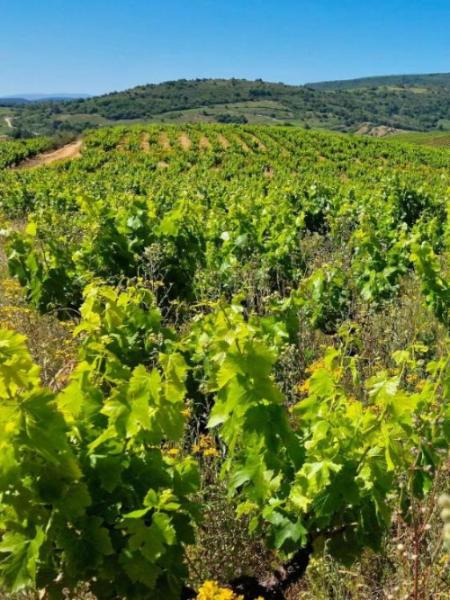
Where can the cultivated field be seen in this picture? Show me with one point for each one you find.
(224, 365)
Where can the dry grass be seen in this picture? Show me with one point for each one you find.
(50, 341)
(402, 570)
(81, 593)
(224, 551)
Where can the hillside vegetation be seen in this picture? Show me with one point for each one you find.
(433, 80)
(412, 102)
(437, 139)
(224, 361)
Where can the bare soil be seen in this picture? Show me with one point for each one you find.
(242, 143)
(185, 142)
(67, 152)
(145, 142)
(223, 141)
(164, 141)
(204, 143)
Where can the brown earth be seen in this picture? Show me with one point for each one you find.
(164, 141)
(69, 151)
(145, 142)
(204, 143)
(377, 130)
(258, 142)
(242, 143)
(223, 141)
(185, 142)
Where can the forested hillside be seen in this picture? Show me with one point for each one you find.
(406, 102)
(433, 80)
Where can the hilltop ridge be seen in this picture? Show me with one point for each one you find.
(405, 102)
(430, 80)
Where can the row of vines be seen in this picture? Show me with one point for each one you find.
(283, 294)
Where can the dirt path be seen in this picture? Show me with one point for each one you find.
(9, 122)
(69, 151)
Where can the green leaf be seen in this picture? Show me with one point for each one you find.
(18, 568)
(17, 371)
(139, 570)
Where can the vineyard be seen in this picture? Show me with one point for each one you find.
(224, 366)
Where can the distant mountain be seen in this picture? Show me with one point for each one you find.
(402, 102)
(12, 101)
(26, 98)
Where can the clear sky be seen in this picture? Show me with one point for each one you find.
(95, 46)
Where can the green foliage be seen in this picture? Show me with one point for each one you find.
(172, 225)
(436, 288)
(118, 326)
(380, 251)
(87, 489)
(48, 274)
(322, 471)
(434, 80)
(14, 152)
(336, 105)
(327, 298)
(230, 282)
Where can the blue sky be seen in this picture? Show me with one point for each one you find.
(96, 46)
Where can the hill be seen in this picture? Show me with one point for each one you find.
(436, 139)
(423, 104)
(43, 97)
(13, 101)
(433, 80)
(29, 98)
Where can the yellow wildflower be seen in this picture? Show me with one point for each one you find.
(316, 366)
(421, 384)
(338, 372)
(11, 289)
(303, 387)
(211, 590)
(211, 452)
(206, 446)
(173, 451)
